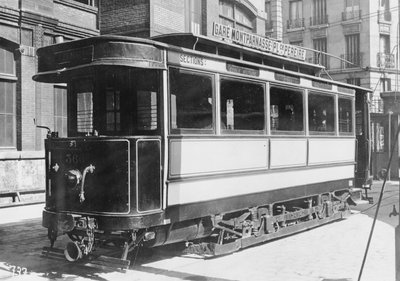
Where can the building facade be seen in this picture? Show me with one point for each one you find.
(147, 18)
(26, 25)
(359, 36)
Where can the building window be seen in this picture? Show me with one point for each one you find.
(352, 5)
(384, 58)
(386, 84)
(236, 16)
(7, 114)
(268, 23)
(93, 3)
(296, 19)
(242, 106)
(320, 57)
(7, 99)
(48, 40)
(353, 55)
(297, 43)
(319, 13)
(384, 43)
(194, 15)
(27, 37)
(60, 111)
(7, 62)
(384, 11)
(352, 10)
(354, 81)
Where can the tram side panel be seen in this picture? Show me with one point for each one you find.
(211, 176)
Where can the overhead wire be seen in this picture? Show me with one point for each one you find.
(362, 17)
(338, 23)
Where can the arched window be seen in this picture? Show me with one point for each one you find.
(7, 98)
(236, 15)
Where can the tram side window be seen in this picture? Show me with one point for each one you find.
(286, 110)
(345, 116)
(191, 104)
(321, 114)
(242, 106)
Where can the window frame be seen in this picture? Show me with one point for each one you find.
(64, 118)
(302, 92)
(9, 78)
(189, 131)
(225, 131)
(13, 115)
(234, 21)
(352, 117)
(72, 104)
(335, 114)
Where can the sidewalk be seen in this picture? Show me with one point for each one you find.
(19, 213)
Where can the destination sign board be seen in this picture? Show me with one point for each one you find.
(257, 42)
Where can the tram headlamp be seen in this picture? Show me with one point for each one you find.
(149, 236)
(73, 178)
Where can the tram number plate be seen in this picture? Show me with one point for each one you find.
(72, 158)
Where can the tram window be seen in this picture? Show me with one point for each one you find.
(146, 87)
(83, 90)
(321, 114)
(191, 103)
(286, 110)
(345, 116)
(242, 106)
(113, 114)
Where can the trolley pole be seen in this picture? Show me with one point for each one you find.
(397, 245)
(397, 230)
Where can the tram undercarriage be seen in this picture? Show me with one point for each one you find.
(208, 236)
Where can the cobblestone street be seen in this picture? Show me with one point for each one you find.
(330, 252)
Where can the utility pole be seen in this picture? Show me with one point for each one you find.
(397, 230)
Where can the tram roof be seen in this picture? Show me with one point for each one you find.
(217, 46)
(76, 55)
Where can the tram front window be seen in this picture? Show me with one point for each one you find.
(115, 102)
(191, 102)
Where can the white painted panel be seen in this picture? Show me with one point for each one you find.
(191, 191)
(331, 151)
(200, 156)
(288, 152)
(267, 75)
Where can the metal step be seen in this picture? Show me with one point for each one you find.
(356, 197)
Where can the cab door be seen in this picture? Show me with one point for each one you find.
(363, 140)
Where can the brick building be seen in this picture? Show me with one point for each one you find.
(146, 18)
(26, 25)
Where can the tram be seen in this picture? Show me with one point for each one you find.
(221, 142)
